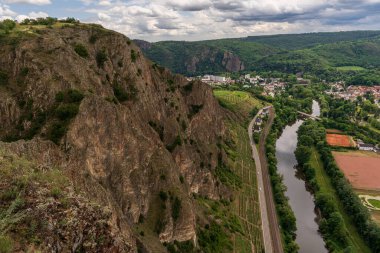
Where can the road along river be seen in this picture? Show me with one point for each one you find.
(300, 199)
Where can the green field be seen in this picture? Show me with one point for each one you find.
(350, 68)
(374, 202)
(326, 187)
(240, 102)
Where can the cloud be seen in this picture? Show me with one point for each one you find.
(6, 12)
(189, 5)
(36, 2)
(209, 19)
(32, 15)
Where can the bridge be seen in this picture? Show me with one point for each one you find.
(309, 116)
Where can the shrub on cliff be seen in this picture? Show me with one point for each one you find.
(81, 50)
(176, 208)
(101, 58)
(3, 78)
(7, 25)
(65, 109)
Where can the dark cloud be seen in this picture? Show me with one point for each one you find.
(190, 6)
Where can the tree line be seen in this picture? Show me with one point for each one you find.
(313, 134)
(286, 107)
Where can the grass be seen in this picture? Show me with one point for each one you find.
(326, 187)
(245, 207)
(246, 204)
(374, 202)
(240, 102)
(350, 68)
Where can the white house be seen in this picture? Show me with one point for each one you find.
(366, 147)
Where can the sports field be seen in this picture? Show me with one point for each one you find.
(362, 169)
(340, 140)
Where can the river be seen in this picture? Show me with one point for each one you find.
(300, 199)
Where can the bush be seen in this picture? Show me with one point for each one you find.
(7, 25)
(69, 96)
(93, 38)
(6, 244)
(56, 132)
(213, 239)
(66, 108)
(101, 58)
(176, 208)
(3, 78)
(133, 55)
(69, 21)
(81, 50)
(177, 142)
(66, 111)
(163, 195)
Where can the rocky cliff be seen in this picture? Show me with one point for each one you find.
(128, 135)
(192, 58)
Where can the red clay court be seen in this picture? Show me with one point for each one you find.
(339, 140)
(362, 170)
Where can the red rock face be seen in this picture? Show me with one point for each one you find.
(121, 152)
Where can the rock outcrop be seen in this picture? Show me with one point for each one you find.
(137, 132)
(192, 58)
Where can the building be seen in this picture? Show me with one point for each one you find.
(256, 129)
(258, 121)
(366, 147)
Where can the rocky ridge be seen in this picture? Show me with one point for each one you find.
(119, 127)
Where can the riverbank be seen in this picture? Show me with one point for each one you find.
(337, 227)
(326, 187)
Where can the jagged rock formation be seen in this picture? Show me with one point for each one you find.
(124, 129)
(191, 58)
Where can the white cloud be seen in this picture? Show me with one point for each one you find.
(209, 19)
(6, 12)
(36, 2)
(104, 17)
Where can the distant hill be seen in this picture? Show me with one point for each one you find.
(316, 53)
(307, 40)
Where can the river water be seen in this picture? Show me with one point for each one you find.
(300, 199)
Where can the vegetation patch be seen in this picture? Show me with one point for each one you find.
(81, 50)
(36, 202)
(176, 142)
(213, 238)
(374, 202)
(336, 225)
(124, 92)
(101, 58)
(65, 109)
(350, 68)
(176, 208)
(3, 78)
(180, 247)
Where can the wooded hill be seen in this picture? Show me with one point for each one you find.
(331, 56)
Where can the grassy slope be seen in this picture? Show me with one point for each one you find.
(350, 68)
(326, 187)
(245, 205)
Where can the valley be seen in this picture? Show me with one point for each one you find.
(106, 147)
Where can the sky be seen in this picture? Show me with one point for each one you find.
(157, 20)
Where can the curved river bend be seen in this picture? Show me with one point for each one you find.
(300, 199)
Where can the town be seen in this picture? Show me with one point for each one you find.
(352, 93)
(271, 86)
